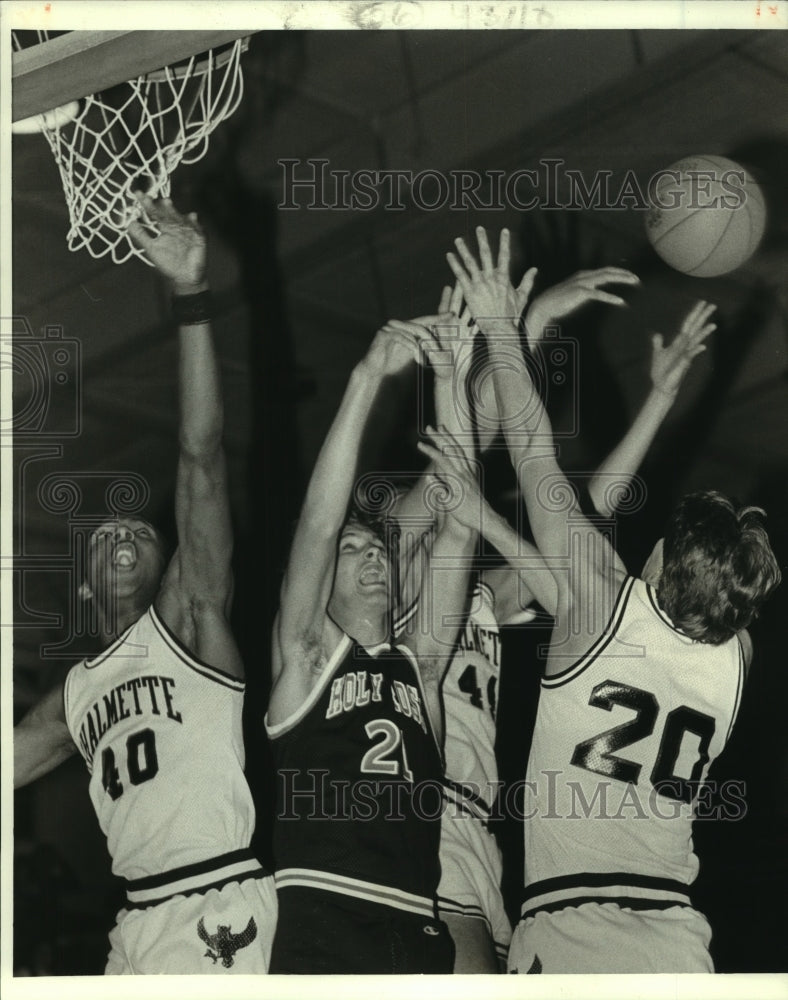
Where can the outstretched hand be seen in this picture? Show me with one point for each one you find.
(491, 298)
(400, 342)
(452, 468)
(454, 337)
(670, 364)
(564, 298)
(178, 251)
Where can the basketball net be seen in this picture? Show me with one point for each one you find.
(131, 138)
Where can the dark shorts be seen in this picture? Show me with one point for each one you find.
(322, 932)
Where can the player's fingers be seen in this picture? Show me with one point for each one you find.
(526, 284)
(421, 324)
(430, 451)
(444, 305)
(459, 272)
(468, 326)
(485, 254)
(455, 301)
(397, 330)
(704, 332)
(695, 312)
(603, 275)
(436, 455)
(657, 342)
(597, 295)
(466, 257)
(706, 313)
(504, 251)
(140, 235)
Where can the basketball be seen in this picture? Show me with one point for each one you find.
(707, 215)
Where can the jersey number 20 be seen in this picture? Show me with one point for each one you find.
(597, 754)
(142, 764)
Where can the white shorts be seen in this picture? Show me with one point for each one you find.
(608, 938)
(471, 869)
(221, 931)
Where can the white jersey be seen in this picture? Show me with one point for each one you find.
(469, 693)
(161, 735)
(470, 699)
(623, 739)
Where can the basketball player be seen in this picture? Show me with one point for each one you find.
(157, 714)
(469, 894)
(608, 847)
(355, 722)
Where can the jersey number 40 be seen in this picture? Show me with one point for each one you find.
(142, 764)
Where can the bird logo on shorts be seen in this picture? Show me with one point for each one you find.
(224, 944)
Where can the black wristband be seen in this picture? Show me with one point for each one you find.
(192, 310)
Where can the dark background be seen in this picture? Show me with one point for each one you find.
(299, 295)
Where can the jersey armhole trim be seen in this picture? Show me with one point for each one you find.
(200, 666)
(739, 689)
(607, 636)
(66, 699)
(274, 731)
(402, 619)
(99, 658)
(411, 658)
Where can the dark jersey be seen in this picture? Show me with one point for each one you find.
(359, 772)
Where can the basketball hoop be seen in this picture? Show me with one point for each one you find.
(131, 138)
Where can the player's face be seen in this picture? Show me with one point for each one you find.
(363, 568)
(126, 556)
(652, 569)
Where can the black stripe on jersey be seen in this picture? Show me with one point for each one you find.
(556, 680)
(410, 656)
(183, 654)
(591, 879)
(189, 871)
(483, 588)
(470, 911)
(99, 658)
(739, 687)
(463, 794)
(200, 890)
(652, 596)
(404, 617)
(327, 672)
(631, 902)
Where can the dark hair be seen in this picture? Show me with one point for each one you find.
(717, 567)
(377, 524)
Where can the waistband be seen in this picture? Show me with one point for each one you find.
(213, 873)
(638, 892)
(372, 892)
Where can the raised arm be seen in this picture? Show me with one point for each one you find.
(559, 301)
(528, 575)
(42, 739)
(669, 365)
(197, 588)
(445, 568)
(419, 521)
(588, 582)
(303, 633)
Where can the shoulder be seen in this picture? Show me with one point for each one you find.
(746, 649)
